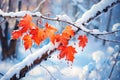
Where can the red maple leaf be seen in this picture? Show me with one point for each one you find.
(38, 35)
(26, 23)
(83, 40)
(68, 32)
(27, 41)
(59, 38)
(67, 52)
(50, 31)
(16, 34)
(64, 37)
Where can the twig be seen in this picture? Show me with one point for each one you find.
(48, 72)
(113, 66)
(108, 40)
(107, 33)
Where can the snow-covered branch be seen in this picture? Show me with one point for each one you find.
(19, 70)
(89, 15)
(96, 10)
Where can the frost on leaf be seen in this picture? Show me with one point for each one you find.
(67, 52)
(83, 40)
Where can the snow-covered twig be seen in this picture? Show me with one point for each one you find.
(96, 10)
(113, 66)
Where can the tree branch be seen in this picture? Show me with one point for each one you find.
(113, 66)
(48, 72)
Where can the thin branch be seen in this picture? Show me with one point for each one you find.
(107, 33)
(113, 66)
(108, 40)
(48, 72)
(39, 6)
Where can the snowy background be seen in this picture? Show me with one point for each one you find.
(97, 59)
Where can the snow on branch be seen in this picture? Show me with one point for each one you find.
(19, 70)
(19, 14)
(96, 10)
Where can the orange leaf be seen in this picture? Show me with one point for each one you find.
(50, 31)
(60, 38)
(26, 22)
(67, 52)
(16, 34)
(82, 41)
(68, 32)
(38, 35)
(27, 41)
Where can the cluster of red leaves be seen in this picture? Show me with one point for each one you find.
(30, 32)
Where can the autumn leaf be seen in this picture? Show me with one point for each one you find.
(27, 41)
(38, 35)
(68, 32)
(16, 34)
(67, 52)
(50, 31)
(59, 38)
(26, 23)
(64, 37)
(83, 40)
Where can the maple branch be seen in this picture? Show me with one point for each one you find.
(91, 32)
(80, 23)
(19, 70)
